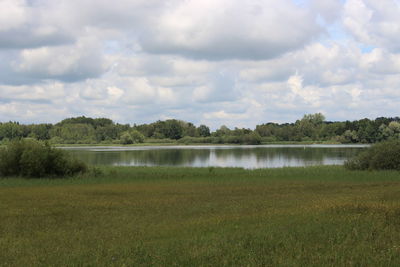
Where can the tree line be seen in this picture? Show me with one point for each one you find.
(310, 128)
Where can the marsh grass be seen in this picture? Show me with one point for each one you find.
(141, 216)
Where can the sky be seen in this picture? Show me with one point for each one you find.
(214, 62)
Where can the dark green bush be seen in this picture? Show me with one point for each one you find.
(30, 158)
(382, 156)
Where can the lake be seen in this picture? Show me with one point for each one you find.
(249, 157)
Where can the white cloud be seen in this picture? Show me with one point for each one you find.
(375, 23)
(46, 92)
(114, 92)
(329, 9)
(238, 63)
(228, 29)
(13, 14)
(201, 93)
(69, 63)
(379, 61)
(139, 91)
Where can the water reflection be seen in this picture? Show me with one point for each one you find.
(218, 156)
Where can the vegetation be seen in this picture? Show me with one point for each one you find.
(138, 216)
(30, 158)
(311, 128)
(382, 156)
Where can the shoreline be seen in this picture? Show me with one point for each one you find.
(177, 144)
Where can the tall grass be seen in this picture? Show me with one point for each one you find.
(141, 216)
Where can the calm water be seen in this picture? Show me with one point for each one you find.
(268, 156)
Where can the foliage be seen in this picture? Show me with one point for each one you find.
(311, 127)
(30, 158)
(95, 123)
(131, 137)
(382, 156)
(203, 131)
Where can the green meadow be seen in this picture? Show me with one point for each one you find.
(160, 216)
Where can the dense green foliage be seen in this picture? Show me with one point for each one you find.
(30, 158)
(382, 156)
(312, 127)
(141, 216)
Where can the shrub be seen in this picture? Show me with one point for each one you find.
(194, 140)
(30, 158)
(382, 156)
(126, 138)
(57, 140)
(131, 137)
(158, 141)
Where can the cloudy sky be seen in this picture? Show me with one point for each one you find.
(232, 62)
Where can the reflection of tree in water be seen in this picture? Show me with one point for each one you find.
(245, 157)
(168, 156)
(144, 157)
(315, 155)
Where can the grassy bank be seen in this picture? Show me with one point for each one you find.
(186, 216)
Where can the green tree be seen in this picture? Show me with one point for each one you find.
(131, 137)
(203, 131)
(350, 136)
(137, 136)
(172, 129)
(315, 119)
(13, 130)
(126, 138)
(223, 131)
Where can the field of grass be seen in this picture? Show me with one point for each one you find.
(141, 216)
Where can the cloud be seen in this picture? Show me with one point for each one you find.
(66, 63)
(330, 10)
(374, 23)
(46, 92)
(379, 61)
(12, 14)
(221, 86)
(139, 91)
(224, 29)
(319, 64)
(23, 24)
(238, 63)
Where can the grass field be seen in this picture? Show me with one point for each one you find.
(141, 216)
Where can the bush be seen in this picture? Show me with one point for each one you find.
(131, 137)
(126, 138)
(160, 141)
(382, 156)
(194, 140)
(30, 158)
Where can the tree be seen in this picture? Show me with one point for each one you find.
(315, 119)
(40, 131)
(350, 136)
(74, 133)
(13, 130)
(137, 137)
(394, 126)
(126, 138)
(203, 131)
(188, 129)
(172, 129)
(131, 137)
(223, 131)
